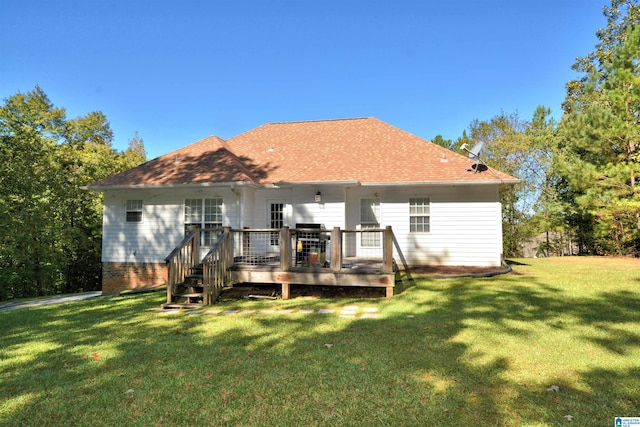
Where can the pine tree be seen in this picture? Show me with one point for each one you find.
(600, 147)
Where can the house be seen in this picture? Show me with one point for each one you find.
(550, 243)
(353, 174)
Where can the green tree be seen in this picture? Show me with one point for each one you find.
(84, 156)
(30, 128)
(622, 14)
(550, 214)
(464, 139)
(446, 143)
(135, 153)
(600, 147)
(50, 229)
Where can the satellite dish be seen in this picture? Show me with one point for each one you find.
(474, 153)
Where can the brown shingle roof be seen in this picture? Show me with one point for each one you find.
(206, 161)
(366, 150)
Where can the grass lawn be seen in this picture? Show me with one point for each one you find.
(445, 352)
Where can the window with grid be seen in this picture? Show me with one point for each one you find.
(134, 211)
(419, 214)
(369, 219)
(204, 214)
(276, 220)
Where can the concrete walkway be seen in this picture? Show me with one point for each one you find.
(59, 299)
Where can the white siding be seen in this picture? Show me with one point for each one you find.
(162, 226)
(301, 206)
(330, 211)
(465, 222)
(247, 207)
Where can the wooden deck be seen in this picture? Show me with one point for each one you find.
(356, 272)
(282, 256)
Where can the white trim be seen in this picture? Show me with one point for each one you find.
(231, 184)
(128, 210)
(281, 184)
(339, 182)
(436, 183)
(420, 215)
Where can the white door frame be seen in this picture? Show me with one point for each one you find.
(273, 221)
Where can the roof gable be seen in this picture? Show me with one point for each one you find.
(366, 150)
(206, 161)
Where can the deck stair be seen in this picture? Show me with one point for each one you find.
(188, 294)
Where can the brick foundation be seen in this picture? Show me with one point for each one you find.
(120, 276)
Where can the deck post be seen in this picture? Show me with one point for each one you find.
(195, 252)
(387, 250)
(285, 291)
(336, 249)
(228, 246)
(285, 249)
(231, 248)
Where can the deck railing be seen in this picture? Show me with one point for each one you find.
(372, 245)
(318, 248)
(256, 246)
(301, 254)
(182, 261)
(215, 267)
(286, 249)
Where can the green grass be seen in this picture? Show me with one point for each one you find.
(450, 352)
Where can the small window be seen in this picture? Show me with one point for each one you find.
(419, 214)
(134, 210)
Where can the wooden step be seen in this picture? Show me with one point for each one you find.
(191, 295)
(188, 285)
(182, 305)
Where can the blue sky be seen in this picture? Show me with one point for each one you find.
(177, 72)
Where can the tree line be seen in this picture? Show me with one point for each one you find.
(580, 173)
(50, 229)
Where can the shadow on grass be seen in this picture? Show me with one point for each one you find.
(116, 362)
(514, 262)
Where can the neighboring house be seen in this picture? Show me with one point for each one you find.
(352, 173)
(550, 243)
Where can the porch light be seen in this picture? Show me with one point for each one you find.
(318, 197)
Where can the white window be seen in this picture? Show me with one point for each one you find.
(419, 214)
(134, 211)
(369, 219)
(204, 214)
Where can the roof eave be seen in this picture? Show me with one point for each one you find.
(434, 183)
(231, 184)
(336, 182)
